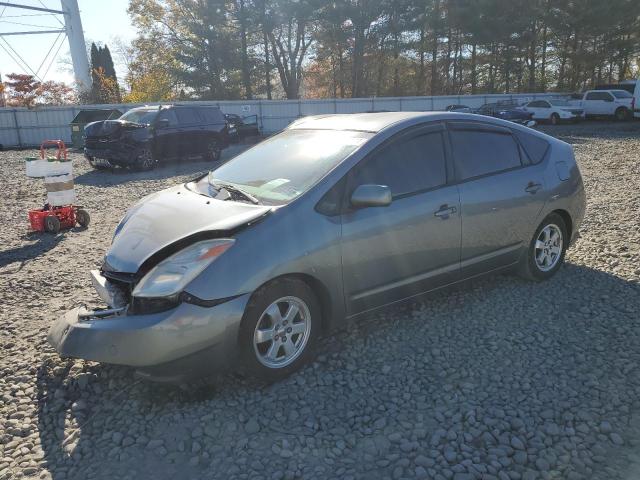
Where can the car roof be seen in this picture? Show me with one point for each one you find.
(374, 122)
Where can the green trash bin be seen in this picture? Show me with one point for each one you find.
(87, 116)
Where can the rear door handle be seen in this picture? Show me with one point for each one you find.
(532, 187)
(445, 211)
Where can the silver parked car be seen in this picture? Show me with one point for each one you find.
(249, 265)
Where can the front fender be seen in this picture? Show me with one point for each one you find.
(279, 246)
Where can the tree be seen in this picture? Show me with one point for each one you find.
(104, 84)
(26, 91)
(22, 89)
(227, 49)
(290, 32)
(151, 72)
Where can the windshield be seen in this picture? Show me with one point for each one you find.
(621, 94)
(140, 115)
(559, 103)
(286, 165)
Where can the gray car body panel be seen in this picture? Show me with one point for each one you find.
(355, 260)
(171, 215)
(147, 340)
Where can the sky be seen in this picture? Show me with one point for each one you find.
(103, 21)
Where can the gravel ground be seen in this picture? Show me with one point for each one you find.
(499, 379)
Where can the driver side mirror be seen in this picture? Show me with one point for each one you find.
(371, 196)
(162, 123)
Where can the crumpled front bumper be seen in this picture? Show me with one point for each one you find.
(156, 340)
(114, 153)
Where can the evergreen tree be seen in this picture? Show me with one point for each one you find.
(104, 86)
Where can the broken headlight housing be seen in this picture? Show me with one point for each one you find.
(169, 277)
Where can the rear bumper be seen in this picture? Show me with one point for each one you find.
(167, 344)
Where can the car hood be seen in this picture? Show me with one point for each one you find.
(110, 128)
(169, 216)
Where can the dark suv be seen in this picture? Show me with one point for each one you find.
(143, 136)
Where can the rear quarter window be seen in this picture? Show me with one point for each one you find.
(534, 147)
(621, 94)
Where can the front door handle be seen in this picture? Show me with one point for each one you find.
(445, 211)
(533, 188)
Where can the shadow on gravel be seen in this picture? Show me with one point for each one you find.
(187, 166)
(120, 176)
(531, 348)
(44, 243)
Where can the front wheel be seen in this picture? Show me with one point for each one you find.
(279, 329)
(546, 250)
(555, 119)
(51, 224)
(622, 114)
(83, 218)
(213, 151)
(145, 160)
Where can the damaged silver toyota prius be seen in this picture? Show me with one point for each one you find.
(248, 266)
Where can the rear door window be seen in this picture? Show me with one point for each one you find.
(406, 166)
(169, 115)
(212, 115)
(482, 152)
(187, 116)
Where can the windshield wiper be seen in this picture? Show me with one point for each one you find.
(236, 190)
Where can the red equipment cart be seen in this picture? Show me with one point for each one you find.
(53, 218)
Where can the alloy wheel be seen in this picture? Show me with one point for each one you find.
(282, 332)
(145, 159)
(213, 151)
(548, 247)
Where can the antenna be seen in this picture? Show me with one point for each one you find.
(72, 27)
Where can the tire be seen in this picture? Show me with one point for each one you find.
(213, 151)
(145, 160)
(51, 224)
(265, 356)
(622, 114)
(542, 260)
(554, 119)
(82, 218)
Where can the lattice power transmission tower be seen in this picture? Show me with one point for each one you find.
(71, 27)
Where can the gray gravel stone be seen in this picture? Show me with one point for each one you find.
(501, 379)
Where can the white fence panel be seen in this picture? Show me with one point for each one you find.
(317, 107)
(390, 104)
(21, 127)
(416, 104)
(354, 106)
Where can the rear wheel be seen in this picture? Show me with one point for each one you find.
(554, 119)
(279, 329)
(83, 218)
(546, 250)
(52, 224)
(622, 114)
